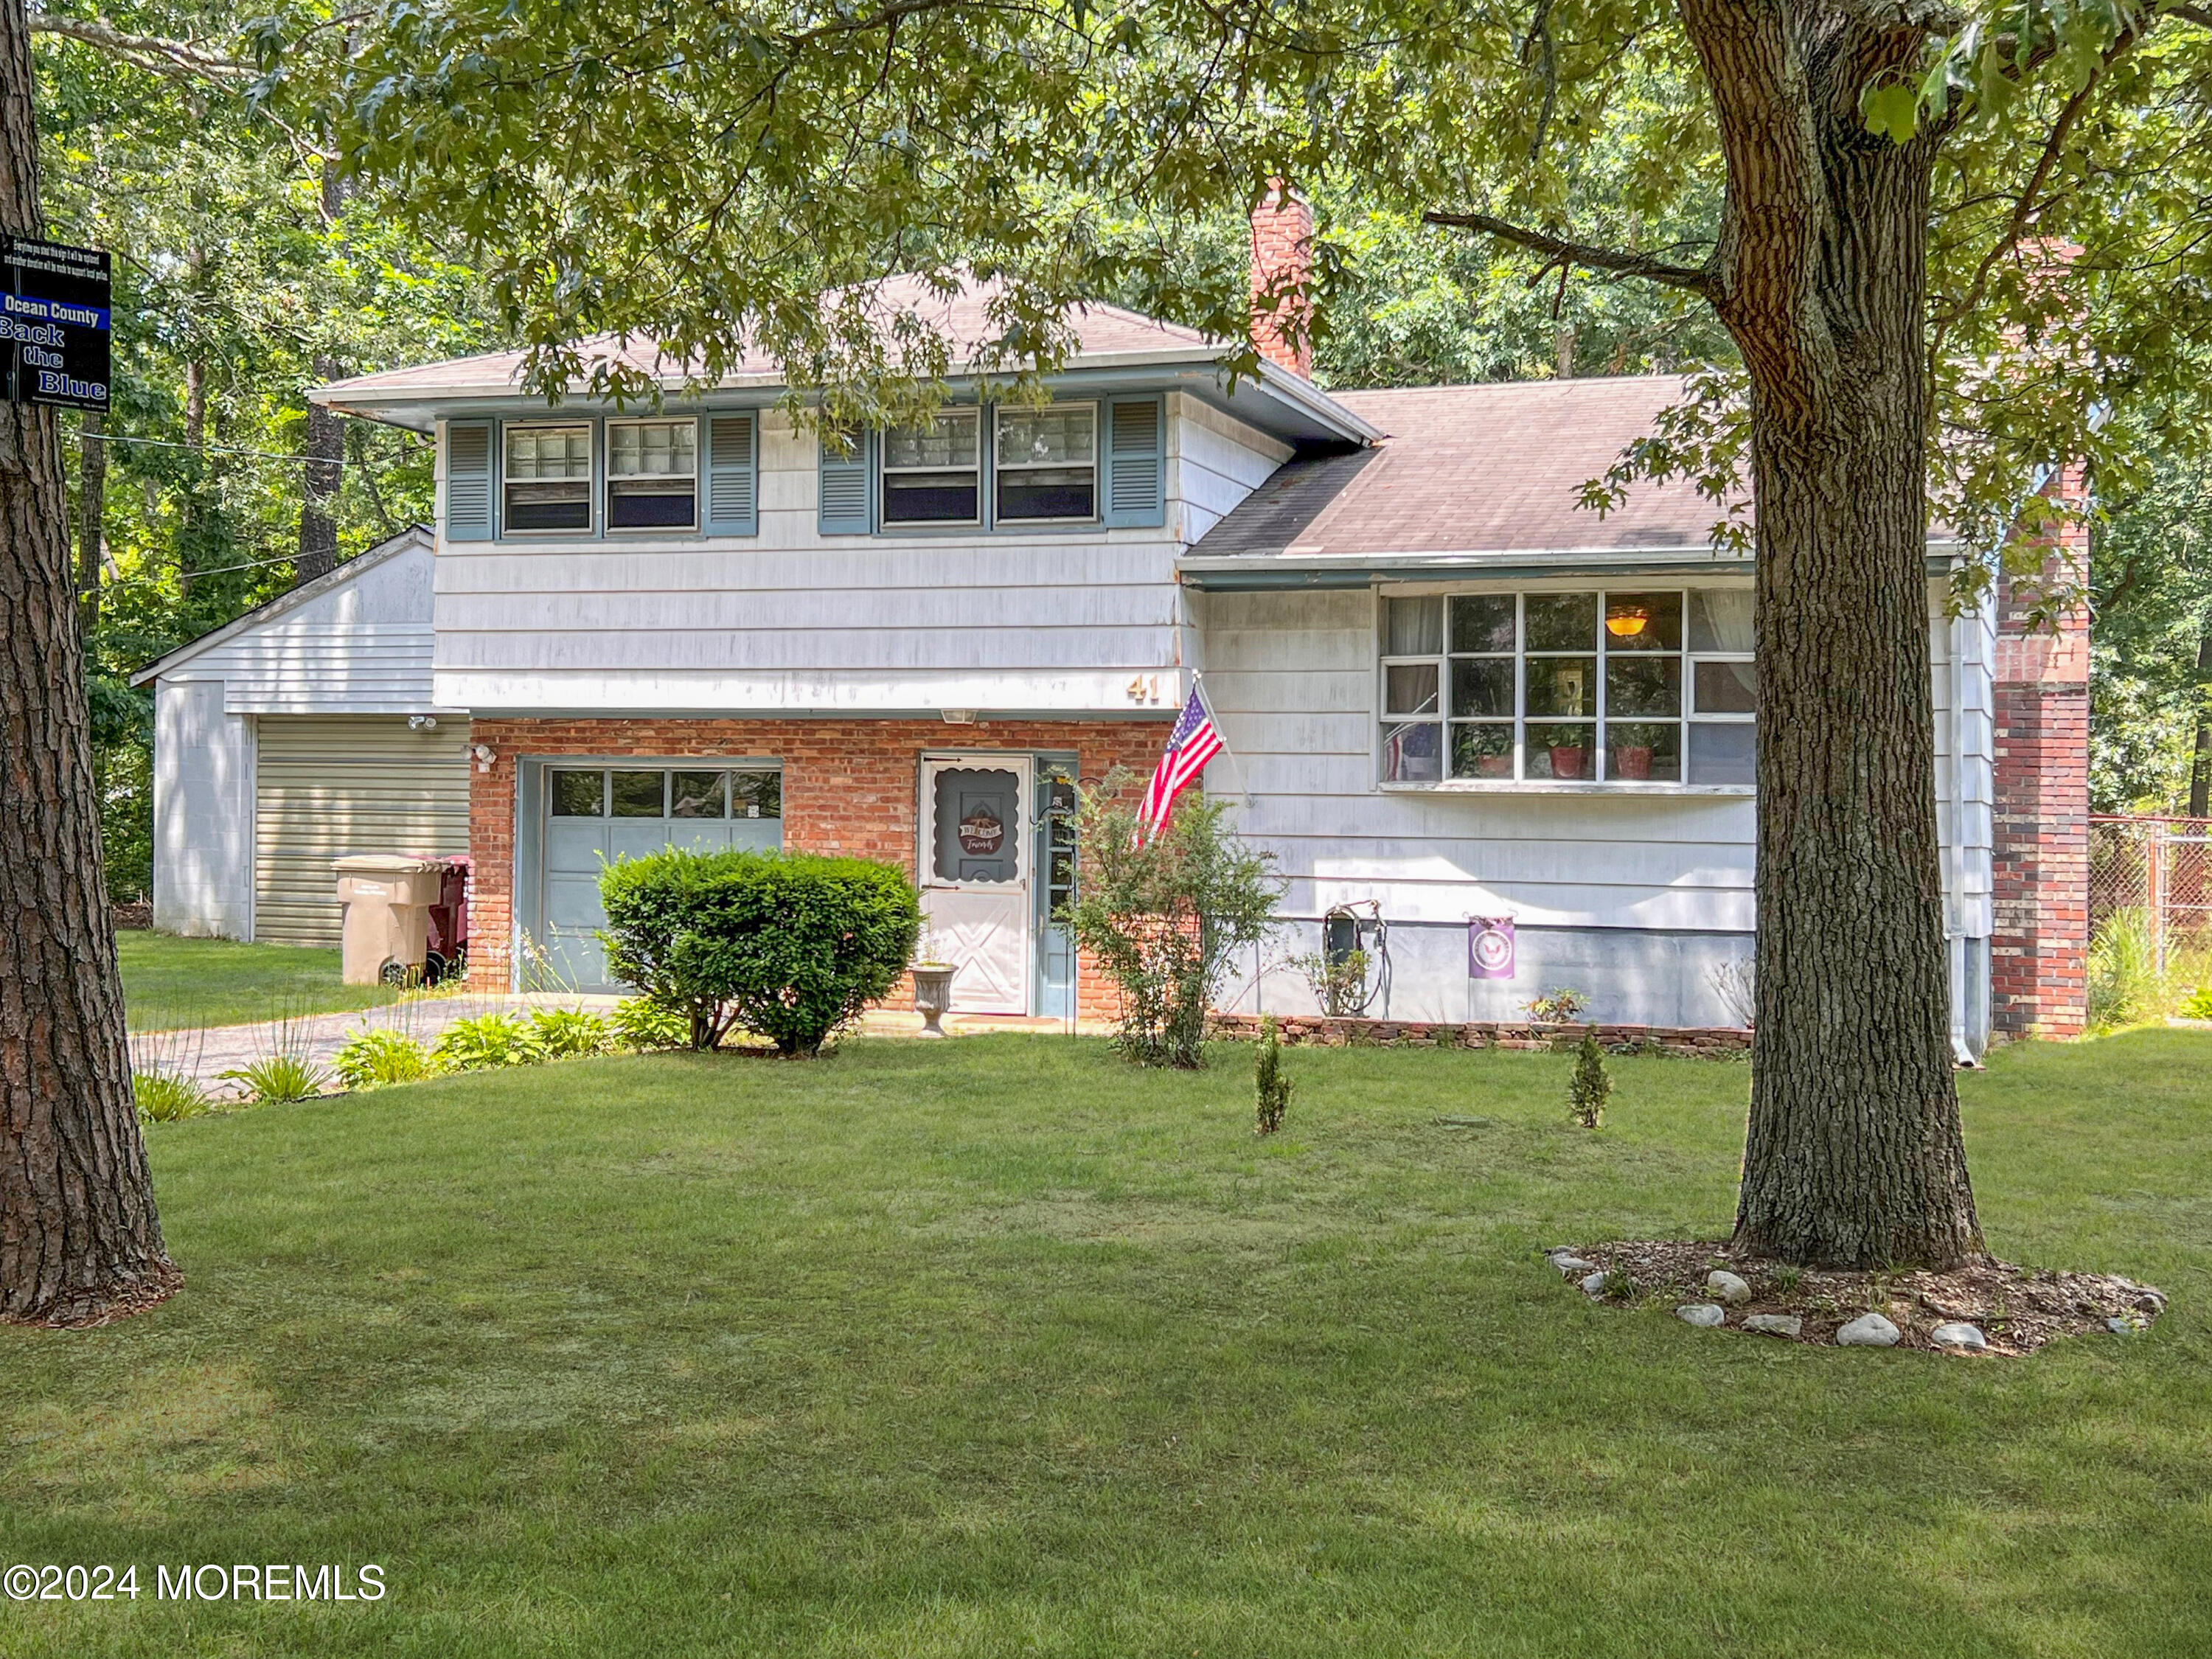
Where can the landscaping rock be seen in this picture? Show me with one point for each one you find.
(1705, 1314)
(1867, 1331)
(1959, 1335)
(1726, 1286)
(1568, 1262)
(1775, 1324)
(2121, 1325)
(1594, 1284)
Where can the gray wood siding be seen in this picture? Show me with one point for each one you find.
(329, 786)
(792, 620)
(1293, 678)
(363, 648)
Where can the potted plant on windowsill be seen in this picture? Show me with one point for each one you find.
(933, 986)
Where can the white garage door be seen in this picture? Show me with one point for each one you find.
(327, 785)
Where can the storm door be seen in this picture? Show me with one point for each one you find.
(976, 880)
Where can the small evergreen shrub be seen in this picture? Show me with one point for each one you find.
(1587, 1090)
(1272, 1088)
(374, 1059)
(642, 1025)
(789, 946)
(487, 1042)
(167, 1098)
(279, 1079)
(570, 1033)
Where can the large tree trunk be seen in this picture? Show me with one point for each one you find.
(1854, 1155)
(319, 530)
(79, 1239)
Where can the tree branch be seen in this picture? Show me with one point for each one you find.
(180, 60)
(2200, 15)
(1616, 261)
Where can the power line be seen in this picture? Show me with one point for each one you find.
(219, 449)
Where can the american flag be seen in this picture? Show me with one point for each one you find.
(1192, 743)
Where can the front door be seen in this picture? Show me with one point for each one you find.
(976, 880)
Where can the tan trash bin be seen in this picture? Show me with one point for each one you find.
(387, 899)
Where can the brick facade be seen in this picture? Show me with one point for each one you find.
(850, 786)
(1282, 252)
(2041, 858)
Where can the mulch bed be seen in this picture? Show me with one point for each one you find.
(2018, 1310)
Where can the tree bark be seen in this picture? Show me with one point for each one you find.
(80, 1242)
(2200, 758)
(92, 502)
(1854, 1155)
(318, 553)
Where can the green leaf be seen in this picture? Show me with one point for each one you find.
(1893, 109)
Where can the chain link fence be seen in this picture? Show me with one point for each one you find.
(2153, 876)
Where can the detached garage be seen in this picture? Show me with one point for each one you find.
(301, 732)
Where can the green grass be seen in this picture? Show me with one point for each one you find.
(997, 1347)
(170, 982)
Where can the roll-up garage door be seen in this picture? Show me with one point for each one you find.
(329, 785)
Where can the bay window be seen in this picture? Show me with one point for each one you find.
(1619, 687)
(1046, 463)
(653, 475)
(933, 474)
(548, 478)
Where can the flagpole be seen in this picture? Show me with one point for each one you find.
(1243, 783)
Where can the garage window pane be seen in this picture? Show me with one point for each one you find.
(755, 794)
(638, 794)
(578, 794)
(695, 794)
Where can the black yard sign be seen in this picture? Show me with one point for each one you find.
(54, 316)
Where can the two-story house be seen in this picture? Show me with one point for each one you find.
(1449, 692)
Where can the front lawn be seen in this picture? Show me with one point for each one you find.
(996, 1347)
(170, 983)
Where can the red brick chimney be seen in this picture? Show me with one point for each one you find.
(2040, 856)
(1282, 259)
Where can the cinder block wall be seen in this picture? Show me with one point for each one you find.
(2040, 866)
(850, 788)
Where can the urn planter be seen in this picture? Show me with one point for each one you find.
(932, 996)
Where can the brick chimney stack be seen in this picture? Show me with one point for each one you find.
(1282, 255)
(2038, 966)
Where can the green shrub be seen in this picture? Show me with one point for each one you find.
(1591, 1086)
(1272, 1088)
(279, 1079)
(486, 1042)
(1169, 920)
(167, 1097)
(2199, 1005)
(372, 1060)
(790, 947)
(641, 1024)
(570, 1033)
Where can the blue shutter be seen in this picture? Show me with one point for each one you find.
(848, 498)
(468, 481)
(1136, 461)
(732, 475)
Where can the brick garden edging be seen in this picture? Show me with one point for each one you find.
(1709, 1043)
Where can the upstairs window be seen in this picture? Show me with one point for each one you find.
(548, 478)
(933, 474)
(1623, 687)
(653, 475)
(1046, 462)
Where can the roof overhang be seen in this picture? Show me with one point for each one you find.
(1276, 400)
(1251, 573)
